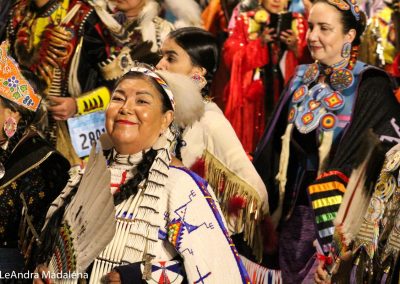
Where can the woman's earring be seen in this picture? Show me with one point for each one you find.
(199, 80)
(346, 49)
(10, 126)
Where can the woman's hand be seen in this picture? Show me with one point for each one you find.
(62, 108)
(42, 270)
(290, 39)
(268, 35)
(113, 277)
(321, 275)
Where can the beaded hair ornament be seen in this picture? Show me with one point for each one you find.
(345, 5)
(147, 70)
(13, 86)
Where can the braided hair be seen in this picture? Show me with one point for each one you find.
(131, 187)
(142, 171)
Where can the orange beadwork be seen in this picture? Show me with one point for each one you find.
(13, 86)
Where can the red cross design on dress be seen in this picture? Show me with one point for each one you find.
(122, 181)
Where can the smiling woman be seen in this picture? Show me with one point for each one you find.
(308, 150)
(165, 223)
(136, 115)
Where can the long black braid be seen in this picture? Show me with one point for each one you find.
(179, 142)
(50, 232)
(206, 91)
(131, 186)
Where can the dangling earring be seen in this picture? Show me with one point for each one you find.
(199, 80)
(10, 126)
(346, 49)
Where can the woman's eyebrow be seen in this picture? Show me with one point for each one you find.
(119, 91)
(144, 93)
(169, 52)
(319, 23)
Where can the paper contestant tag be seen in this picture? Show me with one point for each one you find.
(86, 130)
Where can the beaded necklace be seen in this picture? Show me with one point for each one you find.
(317, 101)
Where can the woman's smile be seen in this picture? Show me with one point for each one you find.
(315, 48)
(126, 122)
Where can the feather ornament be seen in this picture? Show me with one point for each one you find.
(101, 9)
(236, 204)
(90, 216)
(358, 195)
(188, 12)
(188, 100)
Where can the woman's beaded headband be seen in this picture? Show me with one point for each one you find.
(149, 72)
(345, 5)
(13, 85)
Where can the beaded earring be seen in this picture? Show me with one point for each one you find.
(346, 49)
(10, 126)
(200, 81)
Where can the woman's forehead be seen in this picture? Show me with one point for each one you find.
(171, 46)
(132, 82)
(324, 13)
(134, 85)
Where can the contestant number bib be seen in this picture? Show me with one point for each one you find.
(86, 130)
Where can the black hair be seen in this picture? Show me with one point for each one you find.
(49, 234)
(349, 22)
(131, 186)
(166, 103)
(202, 48)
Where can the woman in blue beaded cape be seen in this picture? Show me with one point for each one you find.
(308, 149)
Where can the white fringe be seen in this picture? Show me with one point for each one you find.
(281, 177)
(138, 237)
(324, 150)
(260, 274)
(74, 87)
